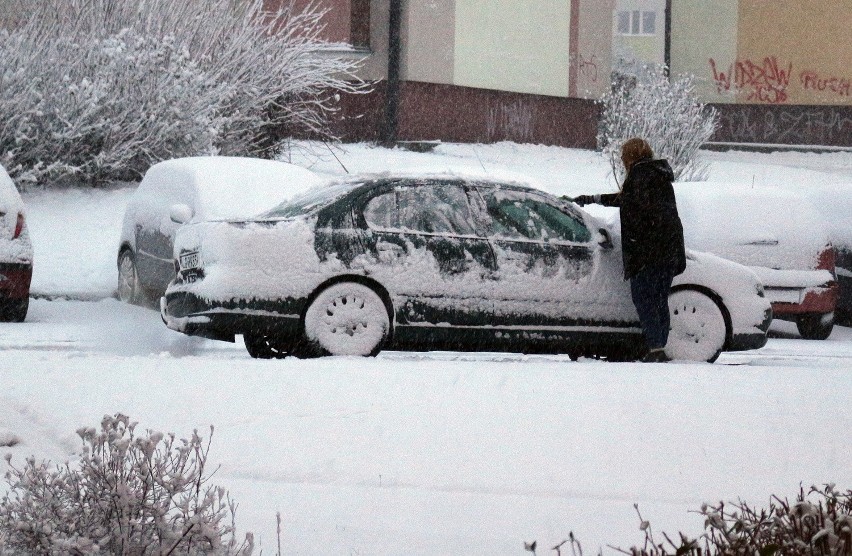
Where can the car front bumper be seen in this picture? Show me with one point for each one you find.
(193, 315)
(753, 339)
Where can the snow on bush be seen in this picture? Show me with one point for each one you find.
(129, 494)
(818, 523)
(98, 90)
(664, 112)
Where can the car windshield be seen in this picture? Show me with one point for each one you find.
(311, 201)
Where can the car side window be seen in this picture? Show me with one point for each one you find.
(439, 208)
(380, 211)
(516, 215)
(435, 209)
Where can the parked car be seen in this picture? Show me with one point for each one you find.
(193, 189)
(16, 253)
(413, 262)
(777, 233)
(834, 203)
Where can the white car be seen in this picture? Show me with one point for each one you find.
(193, 189)
(16, 253)
(441, 262)
(777, 233)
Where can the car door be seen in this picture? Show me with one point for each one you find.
(428, 253)
(553, 272)
(155, 233)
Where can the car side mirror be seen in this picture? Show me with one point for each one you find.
(180, 213)
(605, 240)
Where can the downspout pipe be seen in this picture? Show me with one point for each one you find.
(667, 54)
(390, 128)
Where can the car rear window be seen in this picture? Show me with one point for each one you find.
(311, 201)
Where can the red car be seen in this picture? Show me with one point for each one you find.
(16, 253)
(777, 233)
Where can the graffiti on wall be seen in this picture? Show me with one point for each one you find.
(512, 120)
(588, 68)
(768, 81)
(829, 125)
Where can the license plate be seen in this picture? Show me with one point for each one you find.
(189, 260)
(783, 295)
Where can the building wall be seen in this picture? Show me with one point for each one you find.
(783, 52)
(642, 47)
(429, 29)
(704, 41)
(594, 48)
(513, 45)
(795, 53)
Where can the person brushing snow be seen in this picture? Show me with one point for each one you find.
(652, 247)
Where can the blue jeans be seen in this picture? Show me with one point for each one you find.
(650, 291)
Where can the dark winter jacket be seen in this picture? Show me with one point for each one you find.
(651, 231)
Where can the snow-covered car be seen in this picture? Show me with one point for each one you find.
(777, 233)
(16, 253)
(443, 261)
(193, 189)
(843, 264)
(834, 203)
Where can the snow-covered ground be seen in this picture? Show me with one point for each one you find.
(434, 453)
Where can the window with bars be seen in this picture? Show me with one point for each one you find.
(636, 22)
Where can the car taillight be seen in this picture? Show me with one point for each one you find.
(826, 259)
(19, 225)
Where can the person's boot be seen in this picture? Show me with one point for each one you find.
(657, 355)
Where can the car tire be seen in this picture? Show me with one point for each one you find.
(698, 327)
(128, 280)
(347, 318)
(265, 346)
(14, 310)
(815, 326)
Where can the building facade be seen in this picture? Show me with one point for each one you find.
(779, 71)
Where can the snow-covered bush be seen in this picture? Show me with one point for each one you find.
(99, 90)
(128, 494)
(664, 112)
(818, 523)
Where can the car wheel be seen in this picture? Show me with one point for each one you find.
(128, 280)
(265, 346)
(347, 319)
(14, 310)
(815, 326)
(698, 328)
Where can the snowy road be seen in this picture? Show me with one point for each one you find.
(443, 452)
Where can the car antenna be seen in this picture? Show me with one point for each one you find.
(479, 159)
(335, 156)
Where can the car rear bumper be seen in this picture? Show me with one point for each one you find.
(15, 279)
(798, 301)
(193, 315)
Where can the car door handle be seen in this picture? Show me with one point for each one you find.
(387, 247)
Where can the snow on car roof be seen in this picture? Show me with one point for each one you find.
(234, 187)
(746, 223)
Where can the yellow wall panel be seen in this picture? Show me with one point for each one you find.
(513, 45)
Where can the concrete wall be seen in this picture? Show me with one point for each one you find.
(703, 43)
(594, 48)
(513, 45)
(429, 32)
(783, 52)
